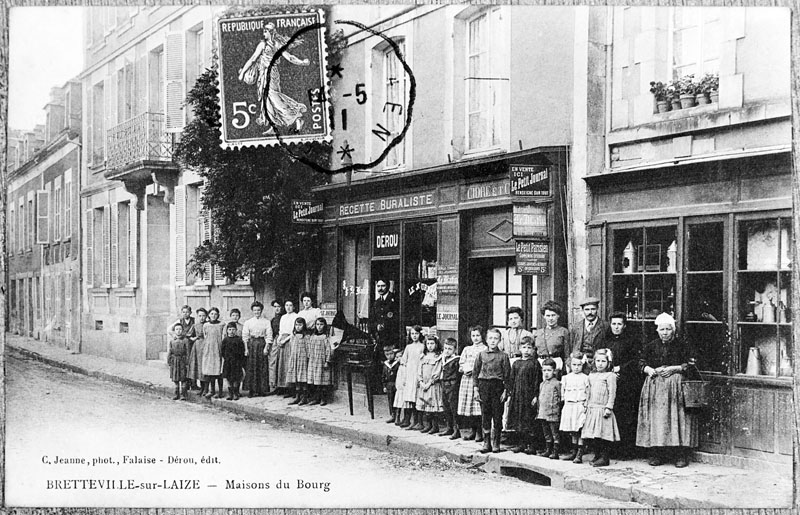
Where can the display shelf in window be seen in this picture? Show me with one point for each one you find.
(420, 293)
(645, 271)
(764, 294)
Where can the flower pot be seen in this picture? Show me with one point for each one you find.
(687, 101)
(702, 98)
(662, 106)
(714, 96)
(676, 104)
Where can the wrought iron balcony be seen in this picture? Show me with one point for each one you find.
(142, 138)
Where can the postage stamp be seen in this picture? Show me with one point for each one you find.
(266, 100)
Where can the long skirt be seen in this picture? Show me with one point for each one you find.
(256, 379)
(663, 420)
(195, 360)
(468, 406)
(281, 360)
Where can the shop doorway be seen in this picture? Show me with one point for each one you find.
(385, 313)
(493, 287)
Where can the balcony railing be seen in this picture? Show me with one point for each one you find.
(142, 138)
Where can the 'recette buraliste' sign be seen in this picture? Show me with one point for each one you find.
(273, 80)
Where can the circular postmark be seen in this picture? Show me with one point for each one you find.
(295, 150)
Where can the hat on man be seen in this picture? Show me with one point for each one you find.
(590, 300)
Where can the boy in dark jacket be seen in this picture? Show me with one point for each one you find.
(389, 376)
(450, 382)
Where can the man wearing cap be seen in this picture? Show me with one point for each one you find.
(589, 334)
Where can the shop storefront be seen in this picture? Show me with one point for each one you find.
(443, 240)
(710, 244)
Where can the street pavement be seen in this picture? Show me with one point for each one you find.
(57, 417)
(698, 486)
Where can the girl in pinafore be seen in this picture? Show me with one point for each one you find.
(297, 366)
(575, 393)
(468, 406)
(178, 361)
(600, 421)
(211, 359)
(410, 360)
(429, 377)
(319, 369)
(399, 388)
(196, 336)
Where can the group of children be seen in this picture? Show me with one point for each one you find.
(207, 351)
(470, 391)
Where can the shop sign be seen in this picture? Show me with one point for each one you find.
(530, 220)
(446, 317)
(485, 190)
(447, 281)
(327, 311)
(388, 205)
(386, 241)
(530, 181)
(308, 212)
(533, 257)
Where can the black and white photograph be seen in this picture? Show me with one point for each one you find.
(402, 256)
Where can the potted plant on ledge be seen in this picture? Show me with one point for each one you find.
(687, 89)
(673, 94)
(709, 85)
(659, 91)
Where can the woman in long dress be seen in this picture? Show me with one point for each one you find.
(211, 355)
(663, 419)
(283, 110)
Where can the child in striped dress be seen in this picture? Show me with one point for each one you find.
(468, 406)
(601, 424)
(319, 369)
(297, 366)
(429, 376)
(574, 393)
(411, 358)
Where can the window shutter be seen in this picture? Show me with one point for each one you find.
(133, 220)
(57, 210)
(89, 250)
(114, 207)
(67, 232)
(12, 229)
(219, 275)
(21, 233)
(140, 75)
(30, 238)
(42, 229)
(175, 82)
(180, 235)
(206, 237)
(106, 212)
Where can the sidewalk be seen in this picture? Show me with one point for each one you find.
(697, 486)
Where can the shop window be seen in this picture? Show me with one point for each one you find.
(355, 274)
(506, 292)
(420, 274)
(764, 292)
(644, 276)
(704, 293)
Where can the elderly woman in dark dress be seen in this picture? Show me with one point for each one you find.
(663, 421)
(552, 340)
(625, 350)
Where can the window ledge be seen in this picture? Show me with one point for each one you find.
(125, 291)
(199, 288)
(475, 154)
(101, 291)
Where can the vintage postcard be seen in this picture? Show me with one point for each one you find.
(399, 256)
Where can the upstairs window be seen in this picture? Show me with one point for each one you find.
(487, 78)
(695, 41)
(395, 94)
